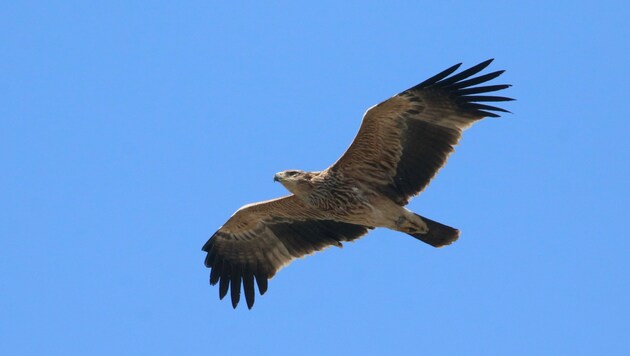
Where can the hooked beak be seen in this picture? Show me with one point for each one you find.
(276, 178)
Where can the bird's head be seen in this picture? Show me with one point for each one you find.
(297, 182)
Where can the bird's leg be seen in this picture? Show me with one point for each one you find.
(401, 220)
(411, 224)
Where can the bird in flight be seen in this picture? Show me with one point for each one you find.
(400, 146)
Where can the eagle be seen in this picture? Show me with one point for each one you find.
(401, 144)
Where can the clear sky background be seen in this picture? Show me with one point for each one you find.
(130, 131)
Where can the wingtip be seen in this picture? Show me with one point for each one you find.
(484, 64)
(235, 296)
(436, 78)
(223, 286)
(262, 282)
(448, 79)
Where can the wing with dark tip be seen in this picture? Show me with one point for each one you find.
(261, 238)
(405, 140)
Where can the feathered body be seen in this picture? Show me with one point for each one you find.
(401, 145)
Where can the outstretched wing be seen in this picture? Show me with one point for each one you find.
(261, 238)
(405, 140)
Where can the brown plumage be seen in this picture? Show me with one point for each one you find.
(401, 145)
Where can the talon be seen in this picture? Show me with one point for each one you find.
(418, 231)
(424, 229)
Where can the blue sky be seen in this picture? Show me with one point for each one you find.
(130, 132)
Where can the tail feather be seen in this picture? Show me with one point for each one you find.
(438, 235)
